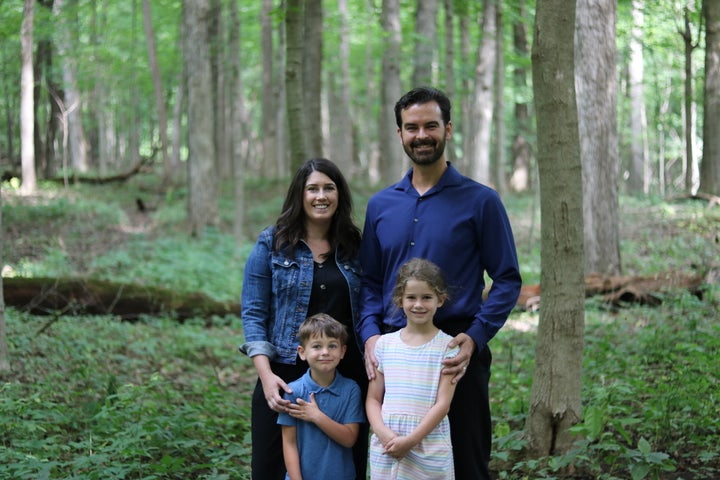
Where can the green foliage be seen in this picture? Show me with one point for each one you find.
(650, 386)
(156, 399)
(93, 398)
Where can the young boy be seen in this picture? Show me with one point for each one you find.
(322, 424)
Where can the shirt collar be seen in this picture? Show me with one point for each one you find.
(450, 177)
(333, 388)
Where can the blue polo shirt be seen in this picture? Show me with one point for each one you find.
(321, 457)
(460, 225)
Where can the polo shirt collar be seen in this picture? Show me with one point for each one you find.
(333, 388)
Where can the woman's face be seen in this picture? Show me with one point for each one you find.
(320, 198)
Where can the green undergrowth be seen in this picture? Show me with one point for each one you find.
(96, 398)
(651, 395)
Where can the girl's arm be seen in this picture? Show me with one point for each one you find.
(343, 433)
(399, 446)
(290, 452)
(373, 409)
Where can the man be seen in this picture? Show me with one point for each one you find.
(436, 213)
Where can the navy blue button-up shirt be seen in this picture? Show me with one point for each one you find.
(461, 226)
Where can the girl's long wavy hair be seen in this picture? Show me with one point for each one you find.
(290, 226)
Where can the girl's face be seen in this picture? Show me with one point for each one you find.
(420, 302)
(320, 197)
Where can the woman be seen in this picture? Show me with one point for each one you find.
(305, 264)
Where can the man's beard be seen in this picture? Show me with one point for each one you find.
(426, 158)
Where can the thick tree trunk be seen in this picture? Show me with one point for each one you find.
(202, 181)
(425, 42)
(340, 109)
(555, 403)
(312, 78)
(478, 151)
(449, 69)
(238, 121)
(596, 85)
(710, 169)
(294, 83)
(270, 145)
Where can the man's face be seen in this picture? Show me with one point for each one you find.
(423, 133)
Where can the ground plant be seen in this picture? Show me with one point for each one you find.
(97, 397)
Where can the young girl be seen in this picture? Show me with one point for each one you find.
(408, 401)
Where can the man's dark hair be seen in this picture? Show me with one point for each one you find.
(422, 95)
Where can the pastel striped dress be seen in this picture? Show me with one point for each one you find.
(412, 374)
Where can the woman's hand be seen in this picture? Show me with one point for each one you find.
(272, 386)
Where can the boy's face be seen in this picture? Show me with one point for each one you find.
(322, 353)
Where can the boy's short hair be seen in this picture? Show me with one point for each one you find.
(322, 324)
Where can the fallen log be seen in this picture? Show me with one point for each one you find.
(624, 289)
(86, 296)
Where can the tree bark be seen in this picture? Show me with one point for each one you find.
(449, 69)
(27, 117)
(478, 151)
(74, 131)
(596, 85)
(638, 118)
(521, 149)
(238, 121)
(710, 168)
(157, 87)
(340, 109)
(202, 181)
(555, 403)
(78, 296)
(425, 42)
(4, 352)
(294, 83)
(312, 78)
(271, 148)
(392, 161)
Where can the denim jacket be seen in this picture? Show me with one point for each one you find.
(276, 294)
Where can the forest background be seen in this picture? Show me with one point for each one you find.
(162, 136)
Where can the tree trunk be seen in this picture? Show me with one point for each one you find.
(521, 150)
(498, 140)
(4, 352)
(710, 168)
(425, 42)
(555, 399)
(158, 88)
(74, 131)
(638, 119)
(27, 117)
(238, 121)
(449, 69)
(596, 85)
(340, 108)
(690, 111)
(481, 123)
(294, 83)
(271, 148)
(312, 78)
(392, 161)
(202, 181)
